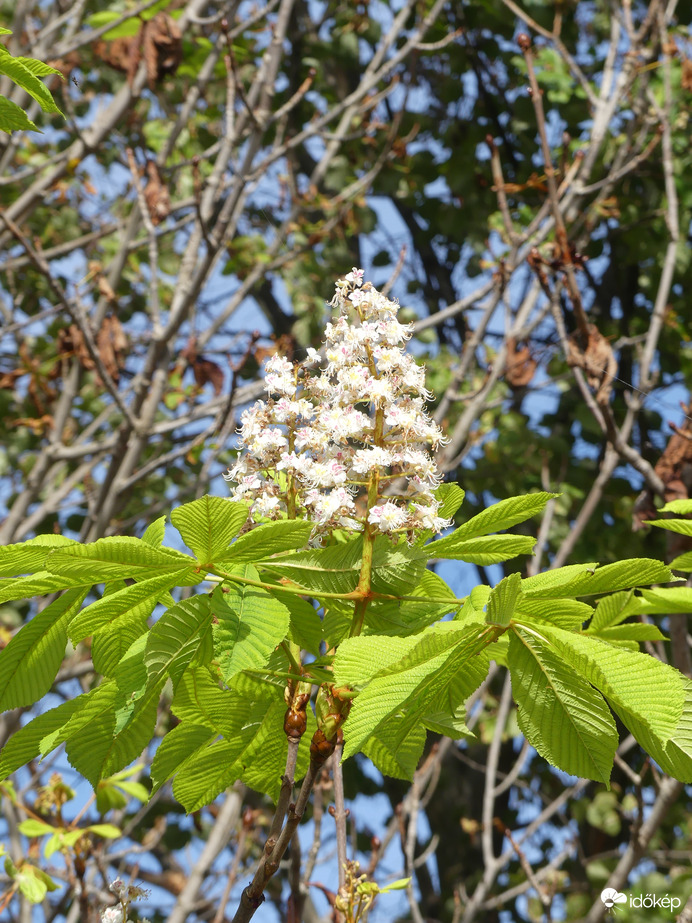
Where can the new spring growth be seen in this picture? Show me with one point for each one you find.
(337, 437)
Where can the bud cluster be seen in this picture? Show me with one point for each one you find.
(331, 444)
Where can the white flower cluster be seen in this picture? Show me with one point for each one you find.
(331, 444)
(125, 894)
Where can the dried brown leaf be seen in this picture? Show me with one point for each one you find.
(206, 371)
(597, 360)
(156, 194)
(520, 366)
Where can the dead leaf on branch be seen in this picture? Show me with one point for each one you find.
(204, 370)
(597, 360)
(156, 194)
(111, 345)
(520, 366)
(674, 468)
(159, 43)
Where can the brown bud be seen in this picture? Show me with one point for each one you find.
(295, 723)
(320, 748)
(523, 41)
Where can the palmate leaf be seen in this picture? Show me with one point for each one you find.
(265, 540)
(138, 599)
(417, 672)
(613, 609)
(30, 661)
(560, 714)
(250, 623)
(681, 526)
(637, 684)
(115, 558)
(484, 550)
(208, 524)
(175, 638)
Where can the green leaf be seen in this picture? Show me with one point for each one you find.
(636, 685)
(33, 882)
(111, 731)
(155, 532)
(503, 600)
(559, 712)
(138, 599)
(32, 827)
(30, 556)
(25, 744)
(176, 749)
(110, 643)
(450, 498)
(30, 661)
(681, 526)
(173, 640)
(200, 700)
(255, 752)
(611, 610)
(396, 759)
(305, 628)
(115, 558)
(38, 68)
(487, 549)
(663, 601)
(674, 755)
(39, 584)
(565, 613)
(631, 631)
(404, 617)
(447, 714)
(14, 118)
(681, 507)
(411, 673)
(208, 524)
(335, 569)
(24, 78)
(107, 831)
(546, 583)
(502, 515)
(593, 580)
(682, 562)
(270, 538)
(396, 570)
(250, 624)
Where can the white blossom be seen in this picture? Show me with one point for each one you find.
(321, 437)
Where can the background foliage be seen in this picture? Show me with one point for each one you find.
(218, 166)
